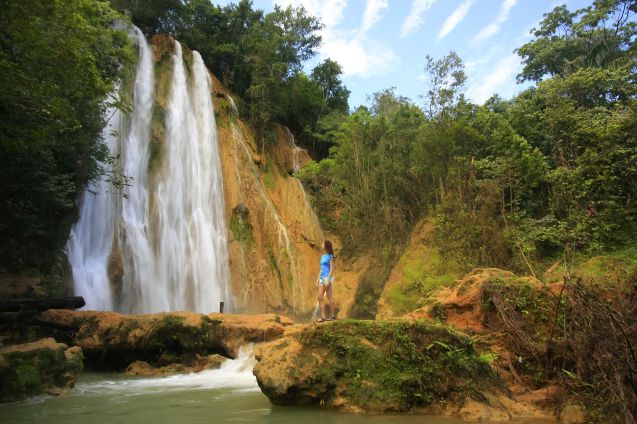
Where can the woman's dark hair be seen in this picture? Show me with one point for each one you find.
(328, 247)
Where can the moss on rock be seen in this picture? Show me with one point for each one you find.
(374, 366)
(240, 225)
(113, 341)
(41, 367)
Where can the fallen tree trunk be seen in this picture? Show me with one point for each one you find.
(40, 304)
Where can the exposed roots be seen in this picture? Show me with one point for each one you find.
(582, 339)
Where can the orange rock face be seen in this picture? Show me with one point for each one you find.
(274, 233)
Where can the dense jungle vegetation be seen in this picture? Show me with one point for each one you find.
(510, 181)
(513, 183)
(507, 183)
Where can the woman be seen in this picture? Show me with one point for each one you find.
(325, 280)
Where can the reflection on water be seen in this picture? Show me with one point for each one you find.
(227, 395)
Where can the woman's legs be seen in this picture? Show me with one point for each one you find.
(331, 299)
(321, 293)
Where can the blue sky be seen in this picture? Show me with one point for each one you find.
(383, 43)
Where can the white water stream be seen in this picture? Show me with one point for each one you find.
(229, 394)
(235, 374)
(169, 227)
(91, 239)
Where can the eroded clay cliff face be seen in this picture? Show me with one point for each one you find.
(274, 233)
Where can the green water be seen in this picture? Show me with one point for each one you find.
(227, 395)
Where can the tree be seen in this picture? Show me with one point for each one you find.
(279, 45)
(446, 83)
(601, 35)
(152, 16)
(334, 94)
(58, 62)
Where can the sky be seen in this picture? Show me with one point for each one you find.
(383, 43)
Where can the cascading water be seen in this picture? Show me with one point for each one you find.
(91, 239)
(169, 229)
(134, 226)
(296, 151)
(192, 256)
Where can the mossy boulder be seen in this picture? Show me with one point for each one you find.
(112, 341)
(40, 367)
(375, 366)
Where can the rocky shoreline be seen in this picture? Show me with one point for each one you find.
(355, 366)
(462, 355)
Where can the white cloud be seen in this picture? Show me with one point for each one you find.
(330, 11)
(494, 26)
(455, 18)
(414, 20)
(373, 8)
(499, 79)
(358, 54)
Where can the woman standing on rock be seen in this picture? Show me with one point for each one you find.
(325, 280)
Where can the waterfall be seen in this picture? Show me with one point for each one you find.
(296, 150)
(170, 229)
(283, 236)
(192, 257)
(91, 238)
(134, 226)
(233, 107)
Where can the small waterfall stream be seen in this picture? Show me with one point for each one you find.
(91, 239)
(169, 227)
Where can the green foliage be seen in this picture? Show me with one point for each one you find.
(58, 62)
(424, 271)
(586, 136)
(509, 183)
(313, 107)
(365, 185)
(601, 35)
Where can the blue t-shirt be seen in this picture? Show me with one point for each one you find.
(325, 264)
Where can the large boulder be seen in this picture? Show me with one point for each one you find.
(40, 367)
(114, 341)
(378, 366)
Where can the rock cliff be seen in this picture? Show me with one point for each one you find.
(274, 235)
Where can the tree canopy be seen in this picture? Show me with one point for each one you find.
(59, 60)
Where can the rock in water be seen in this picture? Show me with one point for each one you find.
(375, 367)
(112, 341)
(40, 367)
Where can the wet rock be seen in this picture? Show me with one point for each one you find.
(40, 367)
(141, 368)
